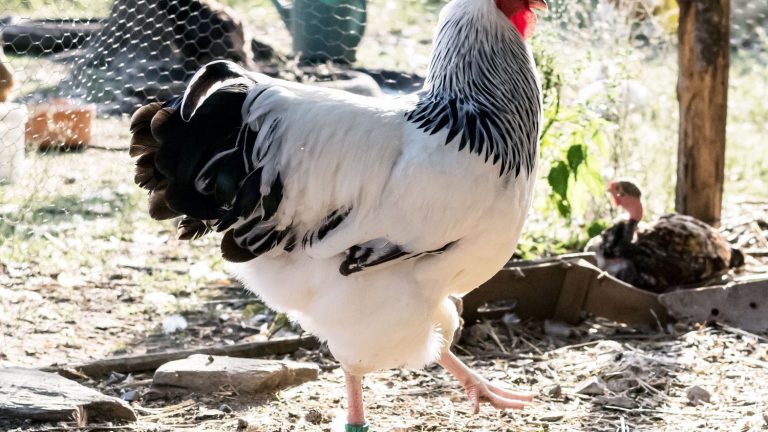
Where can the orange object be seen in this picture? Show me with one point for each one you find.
(60, 124)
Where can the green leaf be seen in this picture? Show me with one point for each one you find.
(281, 321)
(577, 155)
(564, 208)
(596, 228)
(253, 309)
(558, 178)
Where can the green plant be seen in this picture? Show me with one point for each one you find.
(572, 144)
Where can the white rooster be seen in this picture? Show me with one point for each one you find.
(361, 216)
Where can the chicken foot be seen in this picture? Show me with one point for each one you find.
(480, 389)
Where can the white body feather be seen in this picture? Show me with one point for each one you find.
(405, 186)
(343, 151)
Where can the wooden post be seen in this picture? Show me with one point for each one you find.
(704, 57)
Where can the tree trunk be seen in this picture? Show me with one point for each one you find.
(704, 35)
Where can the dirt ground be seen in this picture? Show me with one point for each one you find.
(85, 275)
(647, 375)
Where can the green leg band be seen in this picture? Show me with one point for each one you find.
(352, 428)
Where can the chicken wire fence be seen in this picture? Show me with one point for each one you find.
(75, 70)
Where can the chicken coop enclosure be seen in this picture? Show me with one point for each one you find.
(78, 251)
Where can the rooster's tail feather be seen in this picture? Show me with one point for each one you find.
(145, 146)
(193, 158)
(174, 141)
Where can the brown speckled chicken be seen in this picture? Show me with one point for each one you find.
(672, 251)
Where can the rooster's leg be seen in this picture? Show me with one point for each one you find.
(355, 411)
(480, 389)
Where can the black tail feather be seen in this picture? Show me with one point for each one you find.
(246, 201)
(158, 205)
(192, 229)
(190, 157)
(233, 252)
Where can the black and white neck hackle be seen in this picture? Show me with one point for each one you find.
(481, 88)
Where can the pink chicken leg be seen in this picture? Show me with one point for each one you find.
(478, 390)
(355, 410)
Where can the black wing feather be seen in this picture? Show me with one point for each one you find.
(377, 253)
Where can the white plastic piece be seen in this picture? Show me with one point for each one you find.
(13, 121)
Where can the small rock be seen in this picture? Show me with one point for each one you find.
(160, 300)
(591, 387)
(242, 423)
(129, 396)
(552, 416)
(20, 296)
(511, 319)
(617, 401)
(315, 417)
(226, 409)
(209, 414)
(756, 422)
(114, 378)
(609, 346)
(36, 395)
(554, 391)
(173, 324)
(697, 395)
(256, 424)
(69, 280)
(207, 374)
(621, 385)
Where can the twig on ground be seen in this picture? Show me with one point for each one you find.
(54, 241)
(153, 361)
(741, 332)
(748, 360)
(150, 270)
(495, 338)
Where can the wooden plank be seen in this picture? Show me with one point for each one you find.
(537, 290)
(529, 292)
(613, 299)
(532, 290)
(153, 361)
(704, 59)
(740, 304)
(576, 285)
